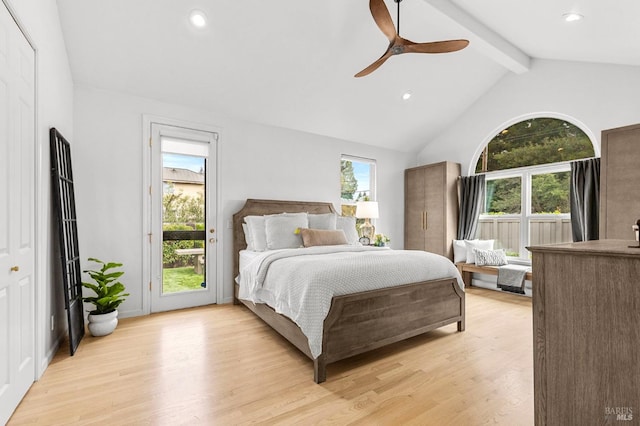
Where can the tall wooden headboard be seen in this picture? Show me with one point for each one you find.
(253, 207)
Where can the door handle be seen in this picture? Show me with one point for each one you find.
(15, 268)
(212, 230)
(212, 240)
(424, 219)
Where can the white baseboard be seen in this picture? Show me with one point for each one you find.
(50, 354)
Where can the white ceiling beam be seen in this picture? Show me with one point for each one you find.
(486, 40)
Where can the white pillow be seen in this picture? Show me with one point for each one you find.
(247, 237)
(322, 221)
(490, 257)
(477, 244)
(459, 251)
(348, 225)
(258, 237)
(281, 229)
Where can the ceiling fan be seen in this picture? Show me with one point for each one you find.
(399, 45)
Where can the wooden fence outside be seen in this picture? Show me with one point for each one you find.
(506, 231)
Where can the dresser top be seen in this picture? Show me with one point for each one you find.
(598, 247)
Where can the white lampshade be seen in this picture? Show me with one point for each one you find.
(367, 210)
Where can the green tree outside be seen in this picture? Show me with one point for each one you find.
(533, 142)
(180, 208)
(550, 193)
(181, 213)
(348, 181)
(528, 143)
(503, 196)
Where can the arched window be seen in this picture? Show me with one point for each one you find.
(527, 169)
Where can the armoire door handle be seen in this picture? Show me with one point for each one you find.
(426, 221)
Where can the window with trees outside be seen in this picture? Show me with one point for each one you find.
(528, 172)
(357, 182)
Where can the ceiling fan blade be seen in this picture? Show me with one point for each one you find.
(374, 66)
(383, 18)
(435, 46)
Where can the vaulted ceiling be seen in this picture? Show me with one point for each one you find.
(290, 63)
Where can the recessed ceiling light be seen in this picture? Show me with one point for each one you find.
(198, 19)
(572, 16)
(406, 96)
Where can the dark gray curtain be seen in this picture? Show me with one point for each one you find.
(585, 199)
(472, 190)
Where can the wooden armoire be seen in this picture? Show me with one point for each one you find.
(619, 180)
(431, 207)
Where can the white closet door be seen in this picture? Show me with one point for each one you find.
(17, 254)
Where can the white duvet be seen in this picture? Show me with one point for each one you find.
(300, 283)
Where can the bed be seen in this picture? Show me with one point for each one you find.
(361, 321)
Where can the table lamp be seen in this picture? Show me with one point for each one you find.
(367, 210)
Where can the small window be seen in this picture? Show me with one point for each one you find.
(357, 182)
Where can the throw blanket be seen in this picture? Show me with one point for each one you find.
(300, 283)
(511, 278)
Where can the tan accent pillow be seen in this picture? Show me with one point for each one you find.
(322, 237)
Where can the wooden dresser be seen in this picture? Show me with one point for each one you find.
(586, 327)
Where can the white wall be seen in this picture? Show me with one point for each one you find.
(255, 161)
(594, 96)
(54, 85)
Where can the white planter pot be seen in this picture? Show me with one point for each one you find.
(103, 324)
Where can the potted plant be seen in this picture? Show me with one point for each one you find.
(381, 240)
(104, 318)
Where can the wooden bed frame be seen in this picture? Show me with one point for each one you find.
(358, 322)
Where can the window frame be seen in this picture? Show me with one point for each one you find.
(373, 180)
(526, 215)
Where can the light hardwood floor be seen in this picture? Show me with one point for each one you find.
(223, 365)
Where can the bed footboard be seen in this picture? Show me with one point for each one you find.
(364, 321)
(360, 322)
